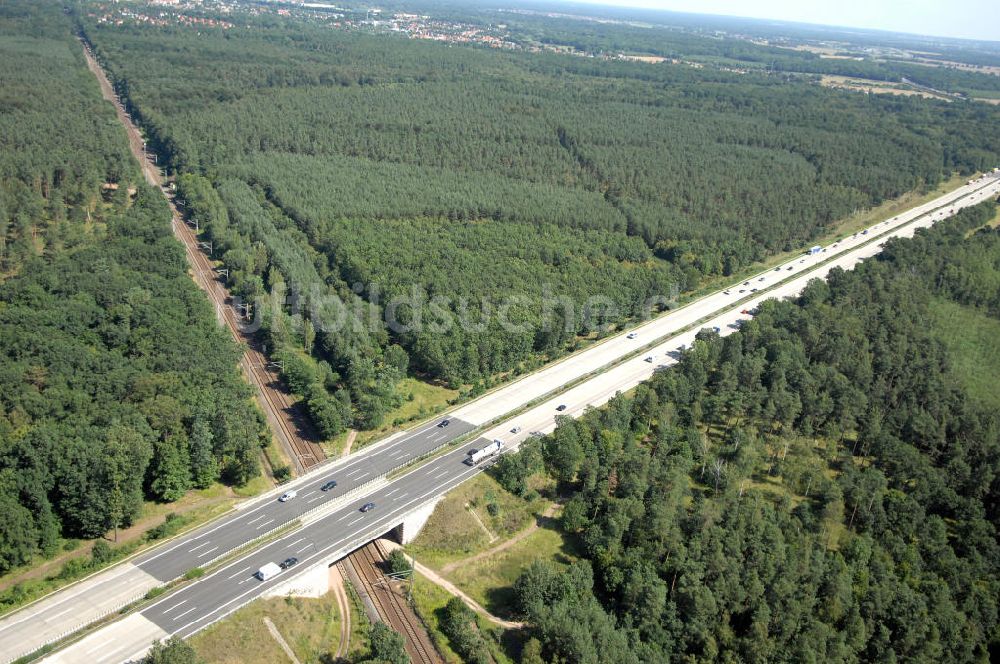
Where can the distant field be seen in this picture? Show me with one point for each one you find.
(974, 341)
(874, 87)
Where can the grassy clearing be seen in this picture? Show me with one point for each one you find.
(973, 340)
(995, 221)
(309, 626)
(489, 580)
(453, 533)
(420, 400)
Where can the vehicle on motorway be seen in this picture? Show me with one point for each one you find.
(561, 407)
(743, 290)
(717, 329)
(268, 571)
(368, 507)
(649, 358)
(745, 312)
(814, 250)
(761, 279)
(753, 290)
(444, 423)
(631, 335)
(516, 430)
(289, 562)
(746, 283)
(790, 267)
(474, 457)
(725, 292)
(329, 485)
(777, 269)
(288, 495)
(864, 232)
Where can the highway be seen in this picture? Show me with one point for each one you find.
(344, 527)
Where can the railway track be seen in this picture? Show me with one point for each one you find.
(391, 606)
(278, 408)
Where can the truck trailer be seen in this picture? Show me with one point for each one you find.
(476, 456)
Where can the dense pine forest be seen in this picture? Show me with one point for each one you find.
(349, 170)
(116, 384)
(819, 486)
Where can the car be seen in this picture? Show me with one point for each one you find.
(289, 562)
(790, 267)
(368, 507)
(329, 485)
(802, 261)
(725, 292)
(753, 290)
(746, 283)
(743, 290)
(864, 232)
(777, 269)
(745, 312)
(288, 495)
(516, 430)
(631, 335)
(443, 423)
(716, 329)
(649, 358)
(561, 407)
(761, 279)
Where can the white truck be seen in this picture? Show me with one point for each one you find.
(475, 456)
(268, 571)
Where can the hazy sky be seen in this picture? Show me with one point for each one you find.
(971, 19)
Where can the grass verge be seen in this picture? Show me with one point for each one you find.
(311, 627)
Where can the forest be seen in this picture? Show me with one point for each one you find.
(117, 386)
(348, 169)
(818, 486)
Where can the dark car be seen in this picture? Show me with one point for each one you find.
(329, 485)
(289, 562)
(368, 507)
(444, 423)
(789, 267)
(561, 407)
(777, 269)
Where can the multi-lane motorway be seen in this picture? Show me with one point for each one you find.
(343, 526)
